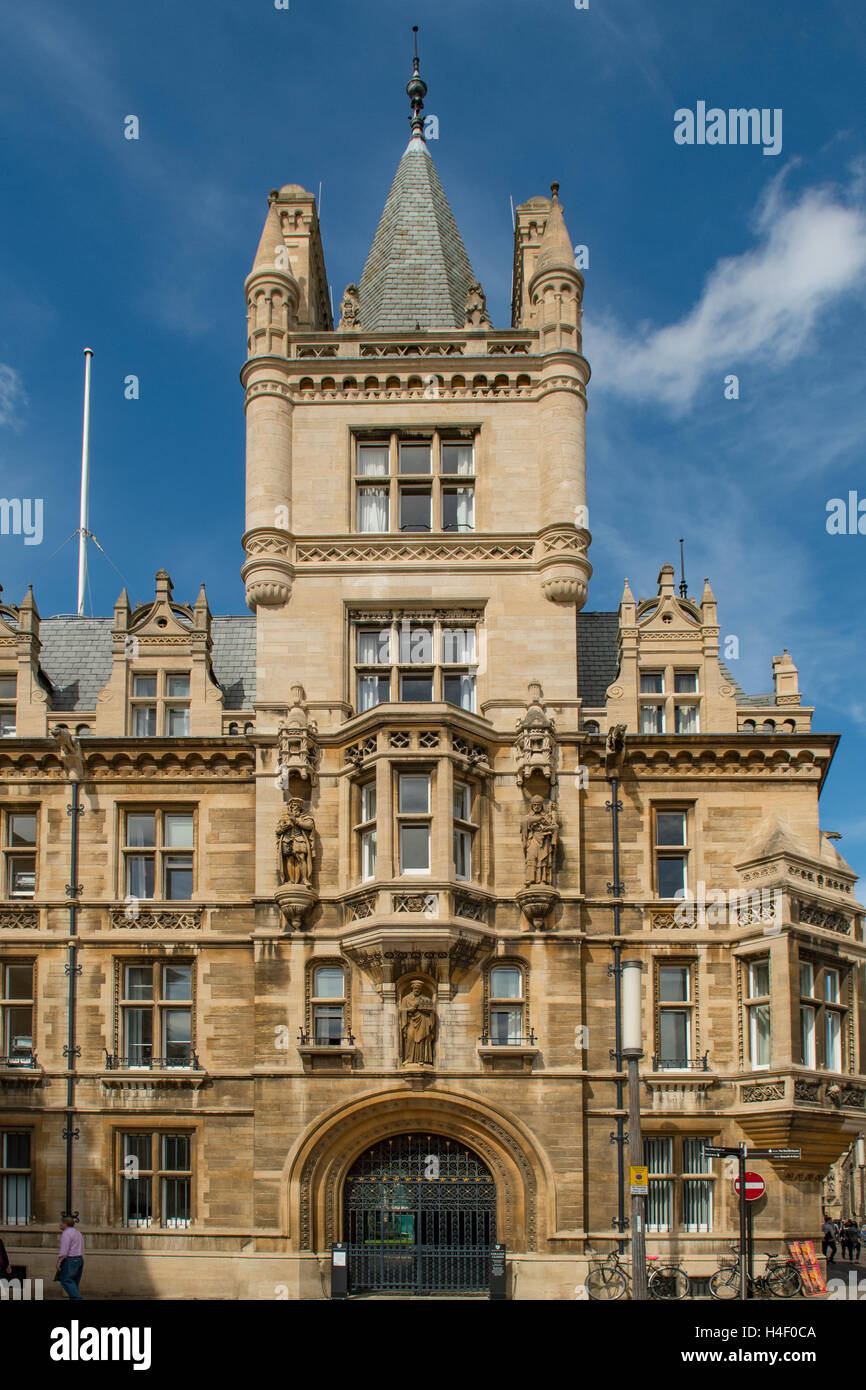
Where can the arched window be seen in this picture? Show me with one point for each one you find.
(506, 1021)
(768, 726)
(748, 726)
(790, 726)
(328, 1005)
(591, 726)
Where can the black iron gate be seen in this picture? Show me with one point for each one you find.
(420, 1217)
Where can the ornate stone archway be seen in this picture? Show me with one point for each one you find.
(317, 1165)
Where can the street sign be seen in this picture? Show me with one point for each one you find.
(638, 1179)
(773, 1153)
(755, 1186)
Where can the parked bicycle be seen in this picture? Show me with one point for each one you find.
(610, 1279)
(780, 1279)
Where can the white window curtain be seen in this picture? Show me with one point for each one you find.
(462, 453)
(465, 509)
(458, 645)
(467, 692)
(373, 461)
(372, 509)
(368, 692)
(374, 647)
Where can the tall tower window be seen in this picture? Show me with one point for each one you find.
(415, 661)
(329, 1005)
(156, 1015)
(366, 830)
(414, 822)
(464, 831)
(675, 1015)
(19, 852)
(16, 1012)
(158, 854)
(426, 485)
(671, 853)
(758, 1011)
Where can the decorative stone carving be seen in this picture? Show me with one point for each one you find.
(535, 743)
(536, 904)
(539, 833)
(135, 917)
(815, 916)
(350, 309)
(417, 1026)
(296, 852)
(807, 1091)
(763, 1091)
(298, 748)
(476, 308)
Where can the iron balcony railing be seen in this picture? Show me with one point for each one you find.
(311, 1040)
(19, 1059)
(114, 1062)
(681, 1063)
(527, 1040)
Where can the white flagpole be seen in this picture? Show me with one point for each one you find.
(85, 485)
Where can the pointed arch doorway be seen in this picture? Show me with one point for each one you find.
(419, 1216)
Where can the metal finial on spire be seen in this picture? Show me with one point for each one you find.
(416, 90)
(684, 588)
(554, 192)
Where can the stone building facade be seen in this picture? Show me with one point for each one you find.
(311, 919)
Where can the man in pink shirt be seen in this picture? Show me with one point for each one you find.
(70, 1258)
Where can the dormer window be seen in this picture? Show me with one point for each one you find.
(160, 704)
(7, 706)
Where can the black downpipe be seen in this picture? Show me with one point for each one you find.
(616, 889)
(70, 1133)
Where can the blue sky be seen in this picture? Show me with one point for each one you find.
(703, 261)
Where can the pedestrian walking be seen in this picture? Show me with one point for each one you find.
(828, 1240)
(5, 1263)
(863, 1232)
(70, 1257)
(855, 1240)
(845, 1240)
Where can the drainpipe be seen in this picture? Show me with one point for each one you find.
(613, 753)
(73, 764)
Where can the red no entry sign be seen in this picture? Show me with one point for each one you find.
(755, 1186)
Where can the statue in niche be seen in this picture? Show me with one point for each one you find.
(476, 308)
(295, 844)
(539, 832)
(350, 308)
(417, 1026)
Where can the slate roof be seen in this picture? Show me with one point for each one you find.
(76, 658)
(597, 661)
(417, 272)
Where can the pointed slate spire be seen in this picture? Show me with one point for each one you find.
(555, 251)
(271, 240)
(417, 274)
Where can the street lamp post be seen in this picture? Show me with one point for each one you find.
(860, 1147)
(632, 1050)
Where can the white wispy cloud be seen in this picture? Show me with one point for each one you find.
(764, 304)
(13, 397)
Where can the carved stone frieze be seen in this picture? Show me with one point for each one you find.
(136, 917)
(762, 1091)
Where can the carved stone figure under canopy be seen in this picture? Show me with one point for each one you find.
(476, 308)
(295, 833)
(539, 832)
(350, 308)
(298, 749)
(417, 1026)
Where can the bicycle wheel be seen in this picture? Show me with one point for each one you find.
(784, 1281)
(604, 1284)
(668, 1281)
(725, 1283)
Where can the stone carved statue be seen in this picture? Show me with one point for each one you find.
(298, 749)
(539, 832)
(615, 738)
(476, 308)
(417, 1026)
(350, 308)
(295, 844)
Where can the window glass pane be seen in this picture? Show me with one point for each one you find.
(652, 719)
(373, 690)
(658, 1155)
(414, 793)
(177, 1035)
(328, 1025)
(415, 458)
(462, 801)
(459, 690)
(671, 875)
(807, 979)
(178, 877)
(458, 509)
(686, 719)
(177, 686)
(694, 1158)
(652, 682)
(368, 854)
(7, 687)
(140, 829)
(374, 646)
(414, 848)
(659, 1204)
(177, 722)
(22, 875)
(506, 1026)
(673, 982)
(458, 458)
(416, 688)
(674, 1036)
(414, 510)
(372, 509)
(7, 723)
(458, 645)
(175, 1153)
(144, 721)
(144, 687)
(759, 978)
(137, 1147)
(685, 682)
(807, 1035)
(506, 982)
(137, 1194)
(16, 1150)
(697, 1205)
(759, 1035)
(139, 982)
(139, 876)
(670, 828)
(19, 981)
(175, 1202)
(177, 982)
(19, 1031)
(462, 854)
(178, 829)
(833, 1040)
(368, 801)
(138, 1036)
(373, 460)
(328, 982)
(22, 828)
(416, 644)
(831, 986)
